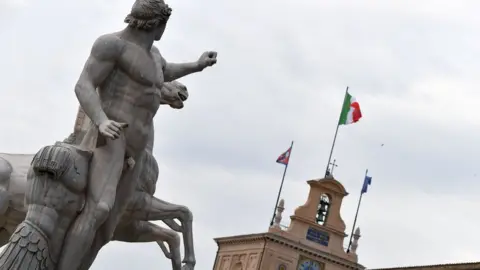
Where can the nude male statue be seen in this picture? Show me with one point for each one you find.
(126, 69)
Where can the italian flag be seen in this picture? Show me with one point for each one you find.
(350, 111)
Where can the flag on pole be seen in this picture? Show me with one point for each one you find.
(366, 183)
(284, 157)
(350, 111)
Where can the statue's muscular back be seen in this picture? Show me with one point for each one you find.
(130, 93)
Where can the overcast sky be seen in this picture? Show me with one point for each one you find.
(281, 75)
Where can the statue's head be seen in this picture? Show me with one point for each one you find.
(174, 94)
(150, 16)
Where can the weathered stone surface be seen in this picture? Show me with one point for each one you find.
(27, 249)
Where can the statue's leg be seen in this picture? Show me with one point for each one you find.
(144, 232)
(161, 210)
(125, 189)
(124, 193)
(105, 172)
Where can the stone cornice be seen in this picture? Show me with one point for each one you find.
(240, 239)
(329, 183)
(321, 255)
(456, 266)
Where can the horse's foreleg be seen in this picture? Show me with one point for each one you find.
(170, 222)
(167, 212)
(144, 231)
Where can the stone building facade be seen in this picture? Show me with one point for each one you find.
(314, 240)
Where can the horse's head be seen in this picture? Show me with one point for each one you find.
(174, 94)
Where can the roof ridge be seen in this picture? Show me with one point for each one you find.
(446, 265)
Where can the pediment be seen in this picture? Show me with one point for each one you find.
(330, 184)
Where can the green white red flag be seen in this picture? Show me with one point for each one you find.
(350, 111)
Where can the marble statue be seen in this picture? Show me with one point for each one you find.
(126, 69)
(143, 206)
(79, 197)
(134, 225)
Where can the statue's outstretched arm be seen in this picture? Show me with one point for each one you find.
(99, 65)
(174, 71)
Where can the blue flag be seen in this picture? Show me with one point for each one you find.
(366, 183)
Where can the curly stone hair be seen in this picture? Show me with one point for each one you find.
(148, 14)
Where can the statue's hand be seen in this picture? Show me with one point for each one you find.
(207, 59)
(111, 129)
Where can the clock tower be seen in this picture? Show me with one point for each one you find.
(314, 240)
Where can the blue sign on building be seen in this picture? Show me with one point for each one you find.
(318, 237)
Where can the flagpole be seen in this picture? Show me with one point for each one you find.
(356, 214)
(281, 186)
(335, 136)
